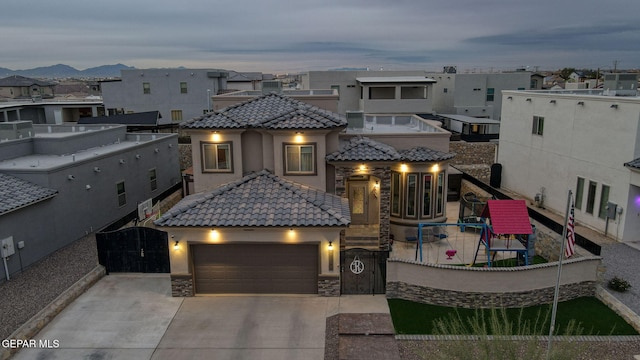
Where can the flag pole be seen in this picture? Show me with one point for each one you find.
(557, 291)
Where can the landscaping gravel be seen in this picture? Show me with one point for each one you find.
(623, 261)
(30, 291)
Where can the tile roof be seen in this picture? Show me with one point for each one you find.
(421, 153)
(508, 216)
(21, 81)
(365, 149)
(633, 163)
(272, 111)
(259, 200)
(16, 193)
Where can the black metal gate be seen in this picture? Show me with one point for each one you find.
(363, 271)
(135, 249)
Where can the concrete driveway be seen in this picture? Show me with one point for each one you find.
(133, 316)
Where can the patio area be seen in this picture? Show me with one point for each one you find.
(441, 251)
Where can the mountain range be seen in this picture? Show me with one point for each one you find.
(66, 71)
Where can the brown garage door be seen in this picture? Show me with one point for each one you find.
(255, 268)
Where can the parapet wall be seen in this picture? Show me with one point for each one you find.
(471, 287)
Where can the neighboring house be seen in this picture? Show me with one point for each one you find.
(179, 94)
(20, 87)
(50, 112)
(266, 171)
(477, 95)
(61, 182)
(577, 76)
(246, 81)
(552, 141)
(136, 122)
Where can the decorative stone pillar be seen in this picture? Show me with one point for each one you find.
(384, 174)
(181, 285)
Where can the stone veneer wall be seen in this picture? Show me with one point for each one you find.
(459, 286)
(466, 187)
(329, 286)
(384, 174)
(473, 300)
(181, 285)
(474, 158)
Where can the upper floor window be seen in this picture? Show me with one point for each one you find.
(299, 159)
(176, 115)
(146, 88)
(413, 92)
(216, 157)
(538, 125)
(336, 88)
(490, 94)
(153, 179)
(382, 93)
(183, 87)
(122, 195)
(604, 200)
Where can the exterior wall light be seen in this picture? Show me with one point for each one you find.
(330, 247)
(404, 168)
(176, 245)
(435, 168)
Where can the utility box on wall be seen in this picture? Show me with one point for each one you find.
(6, 247)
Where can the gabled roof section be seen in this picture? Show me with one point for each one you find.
(259, 200)
(16, 193)
(149, 118)
(635, 164)
(273, 112)
(508, 216)
(21, 81)
(423, 154)
(364, 149)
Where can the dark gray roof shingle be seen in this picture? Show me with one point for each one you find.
(16, 193)
(365, 149)
(633, 163)
(272, 111)
(259, 200)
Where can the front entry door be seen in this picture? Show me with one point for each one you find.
(359, 202)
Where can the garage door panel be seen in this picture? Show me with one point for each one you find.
(255, 268)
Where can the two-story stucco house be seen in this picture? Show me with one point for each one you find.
(283, 186)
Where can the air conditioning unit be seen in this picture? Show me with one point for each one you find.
(355, 119)
(271, 86)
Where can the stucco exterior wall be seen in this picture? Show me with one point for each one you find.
(591, 141)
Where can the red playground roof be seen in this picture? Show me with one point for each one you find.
(508, 216)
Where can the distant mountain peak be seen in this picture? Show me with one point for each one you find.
(66, 71)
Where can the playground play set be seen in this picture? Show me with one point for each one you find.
(504, 227)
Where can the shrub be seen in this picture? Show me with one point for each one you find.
(619, 284)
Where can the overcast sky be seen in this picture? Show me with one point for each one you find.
(299, 35)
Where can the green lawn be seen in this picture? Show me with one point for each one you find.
(593, 317)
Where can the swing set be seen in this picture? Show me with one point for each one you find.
(504, 227)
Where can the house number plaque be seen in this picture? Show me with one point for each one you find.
(356, 266)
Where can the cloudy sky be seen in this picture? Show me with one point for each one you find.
(299, 35)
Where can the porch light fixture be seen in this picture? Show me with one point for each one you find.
(363, 167)
(176, 245)
(330, 255)
(330, 245)
(299, 138)
(435, 168)
(403, 167)
(215, 136)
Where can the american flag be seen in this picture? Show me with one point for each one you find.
(570, 247)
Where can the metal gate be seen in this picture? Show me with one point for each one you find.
(135, 249)
(363, 271)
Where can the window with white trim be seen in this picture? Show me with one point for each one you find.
(153, 179)
(579, 193)
(299, 159)
(216, 157)
(538, 125)
(591, 196)
(604, 200)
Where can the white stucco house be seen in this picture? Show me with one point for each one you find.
(553, 141)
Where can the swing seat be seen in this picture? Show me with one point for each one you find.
(451, 253)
